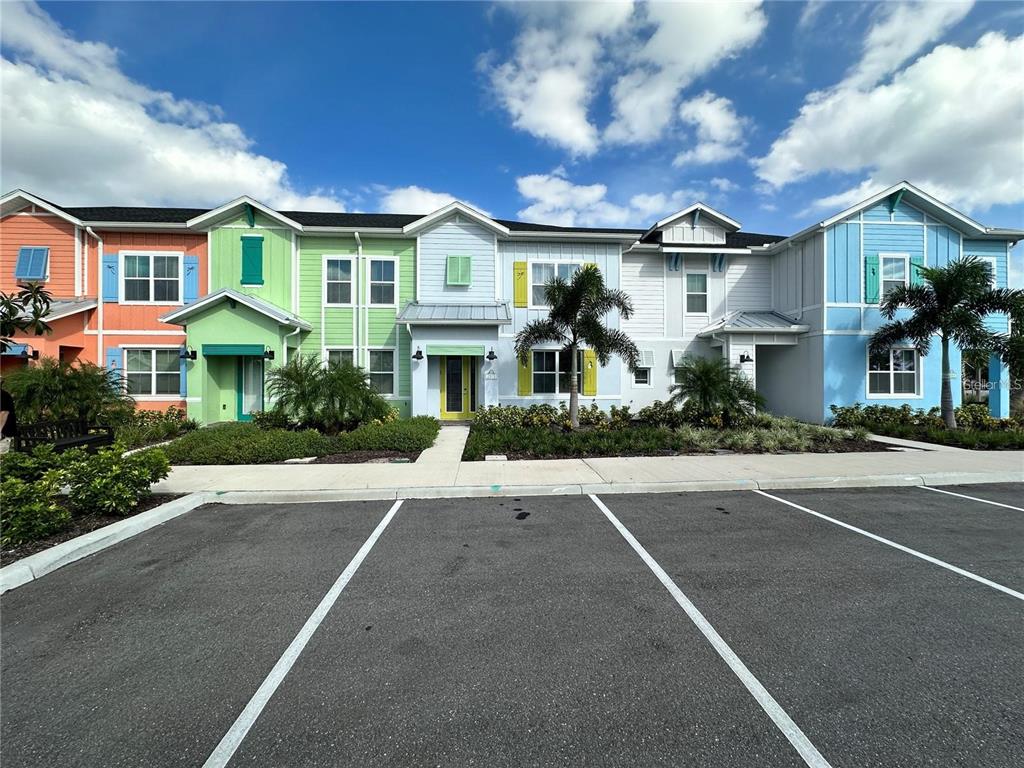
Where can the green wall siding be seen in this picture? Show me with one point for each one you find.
(226, 242)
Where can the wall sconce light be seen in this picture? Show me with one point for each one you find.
(745, 358)
(491, 356)
(268, 355)
(418, 355)
(187, 353)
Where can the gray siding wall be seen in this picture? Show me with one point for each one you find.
(643, 279)
(791, 378)
(748, 283)
(456, 236)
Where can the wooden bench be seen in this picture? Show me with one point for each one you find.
(63, 435)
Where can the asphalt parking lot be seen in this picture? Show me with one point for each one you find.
(869, 627)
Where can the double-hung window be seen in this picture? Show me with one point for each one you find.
(382, 371)
(31, 263)
(382, 281)
(543, 272)
(552, 372)
(895, 272)
(338, 281)
(696, 293)
(893, 372)
(153, 278)
(152, 371)
(341, 357)
(642, 375)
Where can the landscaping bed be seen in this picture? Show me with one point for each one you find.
(364, 457)
(976, 429)
(539, 432)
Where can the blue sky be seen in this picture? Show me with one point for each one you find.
(777, 113)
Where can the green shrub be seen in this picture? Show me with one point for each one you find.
(110, 482)
(405, 436)
(147, 427)
(29, 467)
(29, 510)
(660, 414)
(713, 392)
(620, 417)
(272, 419)
(51, 390)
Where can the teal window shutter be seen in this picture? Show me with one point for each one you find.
(31, 264)
(110, 277)
(916, 263)
(459, 271)
(252, 260)
(871, 279)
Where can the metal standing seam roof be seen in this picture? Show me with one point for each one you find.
(66, 307)
(259, 305)
(755, 322)
(454, 314)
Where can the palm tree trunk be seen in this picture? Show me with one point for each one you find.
(948, 415)
(574, 395)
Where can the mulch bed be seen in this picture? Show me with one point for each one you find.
(361, 457)
(80, 526)
(841, 446)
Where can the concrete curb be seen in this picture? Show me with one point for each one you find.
(34, 566)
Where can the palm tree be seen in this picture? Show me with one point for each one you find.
(712, 387)
(576, 319)
(950, 302)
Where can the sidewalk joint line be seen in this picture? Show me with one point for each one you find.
(223, 752)
(774, 710)
(900, 547)
(972, 498)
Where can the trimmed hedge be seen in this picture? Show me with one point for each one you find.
(239, 443)
(976, 428)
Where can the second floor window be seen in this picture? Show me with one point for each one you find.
(382, 281)
(697, 293)
(152, 277)
(338, 276)
(895, 273)
(543, 272)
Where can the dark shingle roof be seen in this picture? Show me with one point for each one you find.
(136, 215)
(335, 219)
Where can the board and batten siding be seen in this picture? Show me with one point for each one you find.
(456, 236)
(683, 231)
(643, 280)
(748, 283)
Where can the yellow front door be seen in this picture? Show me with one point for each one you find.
(456, 382)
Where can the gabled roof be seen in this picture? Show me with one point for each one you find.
(17, 199)
(272, 311)
(705, 210)
(754, 322)
(454, 207)
(239, 204)
(493, 313)
(733, 241)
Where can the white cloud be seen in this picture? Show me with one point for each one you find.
(556, 200)
(951, 122)
(566, 52)
(719, 130)
(724, 185)
(80, 131)
(413, 199)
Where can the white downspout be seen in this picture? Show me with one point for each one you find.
(100, 355)
(361, 350)
(284, 352)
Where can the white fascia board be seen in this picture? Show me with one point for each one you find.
(12, 198)
(83, 306)
(704, 208)
(241, 298)
(208, 218)
(709, 249)
(374, 231)
(136, 226)
(913, 192)
(455, 206)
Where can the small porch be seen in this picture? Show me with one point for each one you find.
(739, 335)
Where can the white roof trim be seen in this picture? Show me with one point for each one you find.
(696, 206)
(31, 199)
(455, 206)
(908, 187)
(211, 216)
(257, 305)
(72, 308)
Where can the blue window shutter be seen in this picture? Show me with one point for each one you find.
(191, 279)
(31, 264)
(110, 277)
(252, 261)
(183, 370)
(114, 359)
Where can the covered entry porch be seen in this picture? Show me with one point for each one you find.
(741, 336)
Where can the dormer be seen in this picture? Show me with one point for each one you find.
(697, 224)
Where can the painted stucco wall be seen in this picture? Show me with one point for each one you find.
(791, 378)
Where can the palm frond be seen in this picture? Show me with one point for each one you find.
(537, 332)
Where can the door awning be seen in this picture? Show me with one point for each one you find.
(416, 313)
(753, 322)
(233, 350)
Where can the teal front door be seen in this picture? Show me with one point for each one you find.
(250, 387)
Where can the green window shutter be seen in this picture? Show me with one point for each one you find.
(526, 375)
(871, 279)
(521, 286)
(252, 260)
(459, 270)
(589, 373)
(916, 263)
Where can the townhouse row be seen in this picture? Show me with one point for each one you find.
(194, 306)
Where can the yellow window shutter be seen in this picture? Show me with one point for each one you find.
(521, 285)
(589, 373)
(526, 375)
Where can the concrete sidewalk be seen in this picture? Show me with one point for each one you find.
(438, 472)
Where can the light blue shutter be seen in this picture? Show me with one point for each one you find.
(114, 359)
(191, 279)
(31, 263)
(110, 277)
(183, 370)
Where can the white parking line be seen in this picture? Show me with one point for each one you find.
(900, 547)
(972, 498)
(790, 730)
(233, 738)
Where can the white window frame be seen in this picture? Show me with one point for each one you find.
(881, 270)
(994, 262)
(687, 292)
(394, 372)
(327, 353)
(352, 281)
(122, 276)
(529, 277)
(559, 392)
(370, 281)
(918, 378)
(152, 370)
(640, 384)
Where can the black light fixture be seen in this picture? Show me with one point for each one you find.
(187, 353)
(745, 358)
(491, 355)
(418, 354)
(268, 354)
(34, 354)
